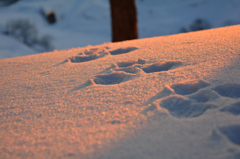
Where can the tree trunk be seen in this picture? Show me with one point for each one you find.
(124, 20)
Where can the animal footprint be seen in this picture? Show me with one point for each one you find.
(119, 75)
(231, 90)
(106, 79)
(161, 66)
(130, 69)
(123, 50)
(130, 66)
(95, 53)
(189, 87)
(182, 107)
(186, 99)
(89, 55)
(114, 74)
(232, 133)
(113, 78)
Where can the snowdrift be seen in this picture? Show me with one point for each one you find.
(173, 96)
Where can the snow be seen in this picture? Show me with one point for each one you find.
(171, 96)
(12, 48)
(87, 22)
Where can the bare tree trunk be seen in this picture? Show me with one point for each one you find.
(124, 20)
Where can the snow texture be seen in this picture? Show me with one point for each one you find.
(189, 87)
(232, 133)
(181, 107)
(160, 66)
(113, 78)
(174, 96)
(231, 90)
(233, 108)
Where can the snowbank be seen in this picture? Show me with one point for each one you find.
(174, 96)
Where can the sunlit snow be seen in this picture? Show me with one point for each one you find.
(170, 97)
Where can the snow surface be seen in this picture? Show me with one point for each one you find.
(87, 22)
(166, 97)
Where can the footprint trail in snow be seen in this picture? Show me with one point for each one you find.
(113, 76)
(188, 99)
(89, 55)
(95, 53)
(191, 99)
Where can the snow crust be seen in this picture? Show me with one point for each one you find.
(171, 97)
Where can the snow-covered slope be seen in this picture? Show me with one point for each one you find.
(87, 22)
(11, 47)
(171, 97)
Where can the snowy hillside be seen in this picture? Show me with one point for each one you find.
(87, 22)
(165, 97)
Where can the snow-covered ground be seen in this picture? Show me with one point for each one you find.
(87, 22)
(165, 97)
